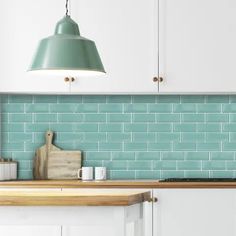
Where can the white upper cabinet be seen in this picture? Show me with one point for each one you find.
(125, 33)
(23, 24)
(197, 46)
(190, 43)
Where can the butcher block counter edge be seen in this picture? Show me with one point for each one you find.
(82, 197)
(113, 184)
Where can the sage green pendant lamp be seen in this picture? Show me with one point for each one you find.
(67, 53)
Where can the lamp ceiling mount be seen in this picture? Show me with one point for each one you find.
(67, 2)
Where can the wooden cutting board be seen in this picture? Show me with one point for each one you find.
(41, 157)
(63, 164)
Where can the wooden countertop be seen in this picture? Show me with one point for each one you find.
(113, 184)
(81, 197)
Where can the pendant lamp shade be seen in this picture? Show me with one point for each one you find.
(67, 53)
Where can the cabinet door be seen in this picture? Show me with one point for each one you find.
(109, 230)
(197, 46)
(125, 33)
(186, 212)
(13, 230)
(23, 24)
(88, 230)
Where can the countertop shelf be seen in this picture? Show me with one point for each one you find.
(81, 197)
(148, 184)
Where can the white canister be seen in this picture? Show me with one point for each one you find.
(100, 173)
(85, 173)
(13, 170)
(6, 170)
(2, 169)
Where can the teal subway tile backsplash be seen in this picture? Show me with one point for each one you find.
(173, 156)
(168, 117)
(189, 165)
(200, 156)
(135, 137)
(218, 118)
(123, 174)
(159, 127)
(217, 99)
(135, 108)
(123, 156)
(222, 156)
(193, 99)
(144, 118)
(160, 108)
(46, 118)
(12, 108)
(193, 117)
(222, 174)
(117, 118)
(37, 108)
(209, 108)
(118, 137)
(185, 108)
(110, 108)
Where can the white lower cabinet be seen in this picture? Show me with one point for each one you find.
(114, 226)
(178, 212)
(105, 221)
(85, 230)
(11, 228)
(29, 230)
(139, 227)
(195, 212)
(134, 220)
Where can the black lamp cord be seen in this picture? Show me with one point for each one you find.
(67, 7)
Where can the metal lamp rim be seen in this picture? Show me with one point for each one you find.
(65, 69)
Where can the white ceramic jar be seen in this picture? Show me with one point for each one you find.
(8, 170)
(1, 171)
(13, 170)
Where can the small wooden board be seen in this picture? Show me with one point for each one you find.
(63, 164)
(41, 157)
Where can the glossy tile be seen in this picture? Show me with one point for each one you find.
(141, 136)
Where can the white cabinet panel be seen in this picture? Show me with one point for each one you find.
(147, 218)
(13, 230)
(23, 24)
(194, 212)
(87, 230)
(197, 46)
(125, 33)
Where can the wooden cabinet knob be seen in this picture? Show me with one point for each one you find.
(154, 199)
(69, 79)
(157, 79)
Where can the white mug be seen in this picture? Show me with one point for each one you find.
(85, 173)
(100, 173)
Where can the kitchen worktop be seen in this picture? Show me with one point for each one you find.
(113, 184)
(81, 197)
